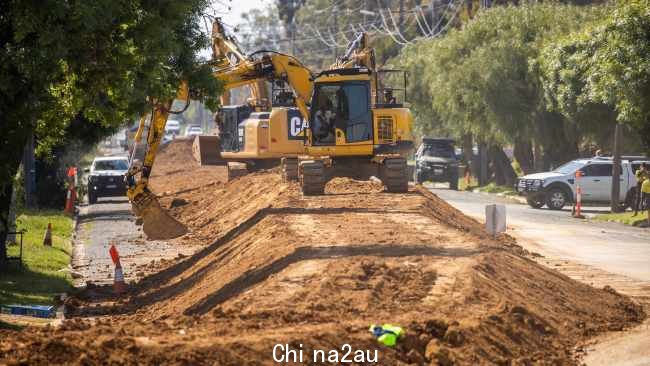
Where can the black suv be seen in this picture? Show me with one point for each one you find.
(106, 177)
(436, 160)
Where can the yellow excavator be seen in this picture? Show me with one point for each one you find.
(344, 123)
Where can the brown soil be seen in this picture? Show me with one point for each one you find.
(315, 272)
(175, 170)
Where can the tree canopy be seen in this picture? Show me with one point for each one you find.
(97, 61)
(603, 69)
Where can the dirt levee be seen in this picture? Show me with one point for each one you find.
(175, 170)
(280, 268)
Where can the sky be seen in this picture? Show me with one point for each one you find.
(238, 7)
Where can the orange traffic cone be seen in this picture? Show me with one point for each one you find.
(119, 286)
(47, 239)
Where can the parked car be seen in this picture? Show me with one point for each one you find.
(106, 177)
(557, 188)
(436, 161)
(193, 131)
(173, 127)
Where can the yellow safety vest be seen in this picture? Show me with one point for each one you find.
(645, 187)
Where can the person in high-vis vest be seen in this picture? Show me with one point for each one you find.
(641, 175)
(645, 190)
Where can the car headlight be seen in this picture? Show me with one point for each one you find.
(537, 183)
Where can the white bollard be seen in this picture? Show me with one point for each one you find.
(495, 219)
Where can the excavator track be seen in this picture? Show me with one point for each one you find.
(394, 175)
(289, 169)
(312, 177)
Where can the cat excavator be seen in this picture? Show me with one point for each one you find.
(344, 123)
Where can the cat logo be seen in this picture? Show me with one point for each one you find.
(297, 124)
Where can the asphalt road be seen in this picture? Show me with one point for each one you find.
(611, 247)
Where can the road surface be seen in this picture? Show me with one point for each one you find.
(608, 246)
(110, 221)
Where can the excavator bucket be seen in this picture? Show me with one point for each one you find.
(207, 150)
(157, 224)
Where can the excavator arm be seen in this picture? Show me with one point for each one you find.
(226, 53)
(271, 66)
(156, 222)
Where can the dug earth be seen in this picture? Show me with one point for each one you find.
(279, 272)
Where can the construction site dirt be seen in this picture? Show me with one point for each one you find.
(313, 273)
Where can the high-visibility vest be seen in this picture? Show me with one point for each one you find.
(387, 334)
(645, 187)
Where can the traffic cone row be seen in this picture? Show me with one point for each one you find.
(47, 239)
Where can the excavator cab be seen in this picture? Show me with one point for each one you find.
(341, 113)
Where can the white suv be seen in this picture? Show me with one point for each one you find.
(558, 187)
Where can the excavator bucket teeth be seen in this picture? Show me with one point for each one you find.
(157, 224)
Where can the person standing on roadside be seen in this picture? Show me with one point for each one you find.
(642, 174)
(645, 192)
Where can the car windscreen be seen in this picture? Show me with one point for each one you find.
(569, 167)
(439, 150)
(111, 165)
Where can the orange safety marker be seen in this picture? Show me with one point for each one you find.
(47, 239)
(578, 206)
(119, 286)
(71, 195)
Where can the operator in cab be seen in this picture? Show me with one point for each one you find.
(325, 117)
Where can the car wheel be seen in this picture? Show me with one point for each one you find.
(536, 201)
(92, 198)
(556, 199)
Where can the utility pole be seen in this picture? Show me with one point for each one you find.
(293, 36)
(434, 21)
(336, 31)
(365, 16)
(483, 161)
(401, 16)
(616, 169)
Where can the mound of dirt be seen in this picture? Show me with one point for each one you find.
(175, 170)
(314, 272)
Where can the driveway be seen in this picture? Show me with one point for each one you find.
(611, 247)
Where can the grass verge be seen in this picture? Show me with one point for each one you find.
(44, 273)
(624, 218)
(493, 188)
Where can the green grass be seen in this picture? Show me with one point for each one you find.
(44, 271)
(493, 188)
(623, 217)
(463, 186)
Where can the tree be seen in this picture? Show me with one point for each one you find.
(479, 81)
(604, 69)
(99, 60)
